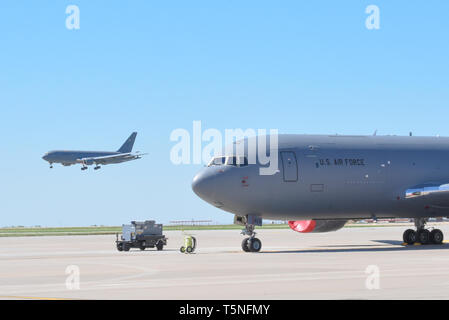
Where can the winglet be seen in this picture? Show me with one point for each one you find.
(128, 145)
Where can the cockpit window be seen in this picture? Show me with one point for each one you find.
(217, 161)
(231, 161)
(236, 161)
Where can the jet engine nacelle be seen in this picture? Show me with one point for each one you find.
(316, 226)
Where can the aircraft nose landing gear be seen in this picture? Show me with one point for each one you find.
(251, 244)
(250, 221)
(422, 235)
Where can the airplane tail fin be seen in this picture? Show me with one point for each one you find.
(128, 145)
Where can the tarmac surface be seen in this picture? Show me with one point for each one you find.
(352, 263)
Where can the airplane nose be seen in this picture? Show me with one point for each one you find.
(46, 156)
(198, 185)
(203, 185)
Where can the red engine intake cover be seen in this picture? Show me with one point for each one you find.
(302, 226)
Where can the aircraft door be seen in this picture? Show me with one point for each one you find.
(290, 166)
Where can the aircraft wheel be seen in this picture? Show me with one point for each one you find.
(182, 249)
(436, 236)
(245, 246)
(119, 247)
(409, 236)
(126, 247)
(189, 249)
(159, 246)
(423, 236)
(254, 245)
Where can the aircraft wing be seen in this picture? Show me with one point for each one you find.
(115, 158)
(434, 195)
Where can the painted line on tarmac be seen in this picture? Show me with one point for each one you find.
(420, 244)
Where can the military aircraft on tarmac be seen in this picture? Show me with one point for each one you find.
(322, 181)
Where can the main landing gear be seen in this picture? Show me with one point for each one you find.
(83, 168)
(251, 244)
(422, 235)
(97, 167)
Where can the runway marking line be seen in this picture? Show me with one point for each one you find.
(404, 244)
(419, 244)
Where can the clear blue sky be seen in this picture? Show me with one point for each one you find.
(154, 66)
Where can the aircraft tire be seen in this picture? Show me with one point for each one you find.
(245, 246)
(159, 246)
(423, 236)
(119, 247)
(126, 247)
(182, 249)
(436, 236)
(409, 236)
(189, 249)
(254, 245)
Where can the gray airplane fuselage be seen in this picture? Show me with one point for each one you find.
(333, 177)
(69, 157)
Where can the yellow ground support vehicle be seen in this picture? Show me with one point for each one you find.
(189, 244)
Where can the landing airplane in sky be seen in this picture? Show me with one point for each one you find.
(86, 158)
(322, 181)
